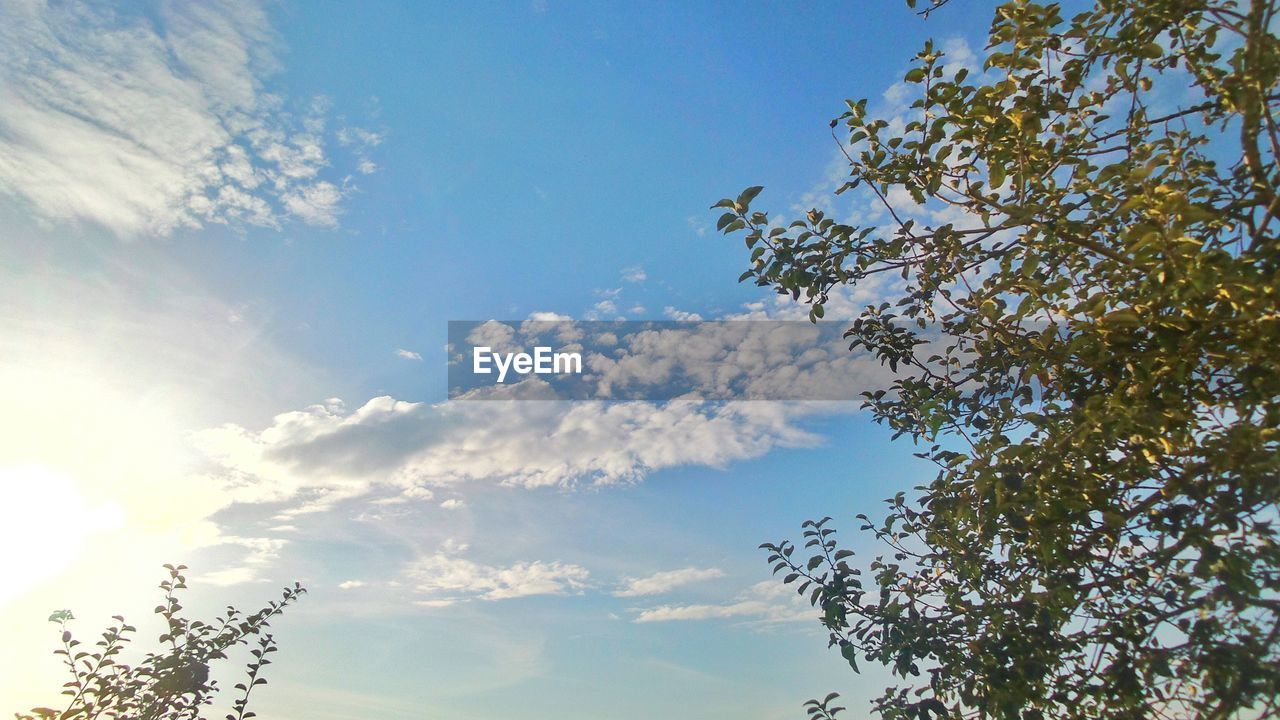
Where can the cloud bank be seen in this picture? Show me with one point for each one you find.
(325, 453)
(145, 122)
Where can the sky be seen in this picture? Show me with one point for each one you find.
(232, 236)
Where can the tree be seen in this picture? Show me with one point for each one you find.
(1086, 341)
(170, 684)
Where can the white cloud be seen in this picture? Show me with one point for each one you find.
(261, 553)
(350, 584)
(603, 310)
(361, 142)
(681, 315)
(546, 316)
(443, 578)
(315, 203)
(698, 225)
(766, 602)
(414, 492)
(735, 360)
(143, 124)
(492, 334)
(324, 453)
(396, 450)
(359, 137)
(666, 581)
(453, 504)
(229, 576)
(407, 354)
(634, 274)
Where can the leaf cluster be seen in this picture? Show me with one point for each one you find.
(1087, 348)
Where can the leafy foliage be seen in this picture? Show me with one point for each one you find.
(170, 684)
(1087, 344)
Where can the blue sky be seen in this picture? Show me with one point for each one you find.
(233, 235)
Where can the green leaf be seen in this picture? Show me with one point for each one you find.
(850, 653)
(745, 198)
(997, 175)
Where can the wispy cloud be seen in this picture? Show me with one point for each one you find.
(144, 124)
(361, 142)
(634, 274)
(698, 225)
(261, 552)
(408, 354)
(766, 602)
(444, 578)
(666, 581)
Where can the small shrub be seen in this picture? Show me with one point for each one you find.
(172, 683)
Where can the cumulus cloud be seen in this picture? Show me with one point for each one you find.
(547, 316)
(146, 122)
(766, 602)
(681, 315)
(396, 451)
(407, 354)
(325, 453)
(444, 578)
(492, 334)
(605, 309)
(350, 584)
(666, 581)
(453, 504)
(315, 204)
